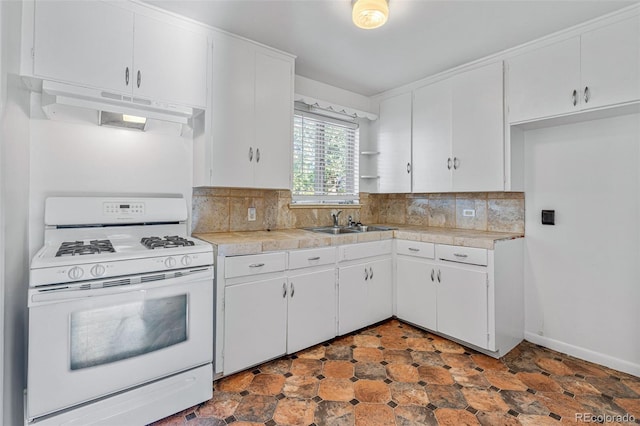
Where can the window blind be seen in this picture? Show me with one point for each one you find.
(325, 159)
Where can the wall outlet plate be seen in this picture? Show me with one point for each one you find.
(469, 213)
(251, 214)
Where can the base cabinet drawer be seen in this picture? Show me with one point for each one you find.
(240, 266)
(470, 255)
(313, 257)
(416, 249)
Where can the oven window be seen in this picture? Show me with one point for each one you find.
(105, 335)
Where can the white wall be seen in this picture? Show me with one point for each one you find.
(14, 131)
(582, 276)
(86, 159)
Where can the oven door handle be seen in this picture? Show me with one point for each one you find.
(75, 291)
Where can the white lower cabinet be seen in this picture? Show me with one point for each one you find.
(416, 291)
(311, 309)
(365, 286)
(462, 304)
(269, 311)
(255, 323)
(472, 295)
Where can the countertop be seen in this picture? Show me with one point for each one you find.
(254, 242)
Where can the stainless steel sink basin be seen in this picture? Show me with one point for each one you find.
(334, 231)
(346, 230)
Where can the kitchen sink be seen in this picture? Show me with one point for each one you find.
(349, 230)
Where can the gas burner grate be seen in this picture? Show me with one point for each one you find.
(73, 248)
(166, 242)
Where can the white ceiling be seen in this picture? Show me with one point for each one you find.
(421, 38)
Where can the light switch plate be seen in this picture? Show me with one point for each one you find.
(251, 214)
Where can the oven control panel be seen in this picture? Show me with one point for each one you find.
(124, 208)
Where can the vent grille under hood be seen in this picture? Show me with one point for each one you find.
(54, 93)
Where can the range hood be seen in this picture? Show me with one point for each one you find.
(110, 104)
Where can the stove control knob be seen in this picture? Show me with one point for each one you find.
(98, 270)
(170, 262)
(186, 260)
(75, 273)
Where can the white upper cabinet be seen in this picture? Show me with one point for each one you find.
(171, 62)
(458, 133)
(478, 129)
(394, 144)
(544, 82)
(432, 126)
(252, 116)
(101, 45)
(598, 68)
(87, 43)
(611, 64)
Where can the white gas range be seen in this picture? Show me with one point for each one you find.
(120, 313)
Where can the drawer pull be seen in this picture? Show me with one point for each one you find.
(256, 265)
(311, 259)
(460, 255)
(414, 249)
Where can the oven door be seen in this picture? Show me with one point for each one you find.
(88, 343)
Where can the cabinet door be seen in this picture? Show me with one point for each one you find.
(273, 121)
(416, 292)
(478, 130)
(232, 112)
(172, 63)
(432, 158)
(611, 64)
(394, 144)
(352, 298)
(312, 309)
(462, 304)
(86, 43)
(255, 323)
(541, 82)
(379, 290)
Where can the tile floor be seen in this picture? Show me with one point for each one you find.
(395, 374)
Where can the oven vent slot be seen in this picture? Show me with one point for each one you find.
(116, 283)
(85, 287)
(180, 274)
(150, 278)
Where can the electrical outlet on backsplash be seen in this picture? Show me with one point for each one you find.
(225, 210)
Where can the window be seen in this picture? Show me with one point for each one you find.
(325, 159)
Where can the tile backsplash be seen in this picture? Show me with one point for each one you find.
(225, 210)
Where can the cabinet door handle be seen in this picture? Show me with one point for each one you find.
(370, 272)
(293, 290)
(126, 76)
(366, 274)
(587, 94)
(414, 249)
(257, 155)
(460, 255)
(574, 97)
(311, 259)
(439, 275)
(408, 167)
(250, 154)
(284, 290)
(256, 265)
(432, 278)
(456, 163)
(139, 78)
(449, 163)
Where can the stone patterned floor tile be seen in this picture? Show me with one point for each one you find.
(415, 416)
(336, 390)
(453, 417)
(294, 412)
(338, 369)
(374, 415)
(392, 373)
(335, 413)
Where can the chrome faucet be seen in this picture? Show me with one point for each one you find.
(335, 218)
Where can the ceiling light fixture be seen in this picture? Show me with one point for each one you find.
(370, 14)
